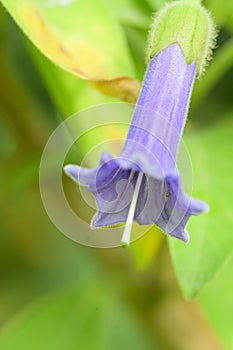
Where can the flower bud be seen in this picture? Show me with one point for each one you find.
(187, 23)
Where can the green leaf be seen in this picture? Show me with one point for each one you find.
(72, 95)
(76, 318)
(211, 237)
(83, 39)
(134, 13)
(145, 250)
(68, 93)
(222, 63)
(216, 302)
(223, 14)
(157, 4)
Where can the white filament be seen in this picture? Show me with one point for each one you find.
(129, 222)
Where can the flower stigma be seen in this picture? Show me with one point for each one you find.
(125, 241)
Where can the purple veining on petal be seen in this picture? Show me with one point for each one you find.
(166, 91)
(150, 148)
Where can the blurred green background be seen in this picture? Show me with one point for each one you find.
(57, 294)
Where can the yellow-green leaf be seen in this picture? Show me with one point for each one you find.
(83, 38)
(211, 238)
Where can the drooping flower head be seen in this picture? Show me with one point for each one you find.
(143, 183)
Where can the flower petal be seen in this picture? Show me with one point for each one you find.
(81, 175)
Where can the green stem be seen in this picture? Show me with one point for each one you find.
(222, 62)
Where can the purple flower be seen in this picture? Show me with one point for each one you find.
(142, 184)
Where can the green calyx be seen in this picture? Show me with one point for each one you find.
(188, 24)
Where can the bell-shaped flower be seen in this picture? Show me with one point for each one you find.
(143, 183)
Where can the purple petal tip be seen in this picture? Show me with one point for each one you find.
(71, 171)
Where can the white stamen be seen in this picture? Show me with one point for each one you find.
(129, 222)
